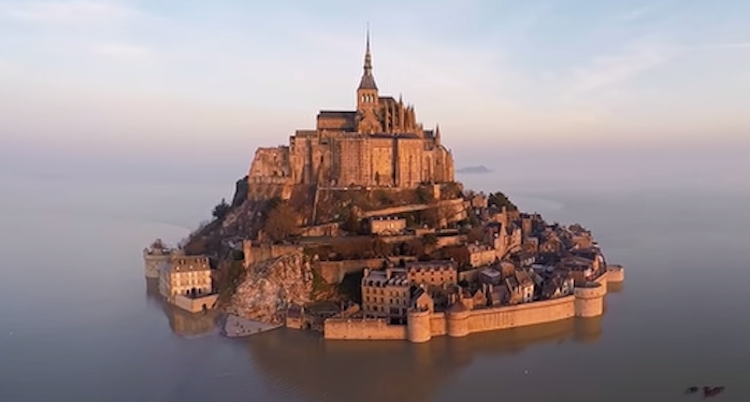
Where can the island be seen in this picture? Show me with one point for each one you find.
(481, 169)
(358, 229)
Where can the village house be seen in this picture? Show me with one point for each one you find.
(580, 237)
(557, 286)
(550, 243)
(186, 282)
(506, 268)
(475, 299)
(525, 259)
(521, 288)
(480, 255)
(581, 269)
(385, 293)
(490, 276)
(438, 273)
(530, 245)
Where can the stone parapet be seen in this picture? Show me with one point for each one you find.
(458, 324)
(418, 326)
(615, 273)
(590, 299)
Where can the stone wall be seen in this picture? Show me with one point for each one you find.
(265, 188)
(447, 241)
(521, 315)
(270, 163)
(255, 254)
(325, 229)
(334, 271)
(195, 305)
(615, 273)
(362, 329)
(333, 156)
(438, 324)
(153, 262)
(587, 301)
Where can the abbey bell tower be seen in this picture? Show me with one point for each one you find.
(367, 98)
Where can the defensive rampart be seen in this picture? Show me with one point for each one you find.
(586, 301)
(521, 315)
(153, 262)
(362, 329)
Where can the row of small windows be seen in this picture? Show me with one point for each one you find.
(368, 98)
(391, 301)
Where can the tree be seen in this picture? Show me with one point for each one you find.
(281, 222)
(475, 234)
(430, 239)
(433, 216)
(500, 200)
(424, 194)
(221, 209)
(352, 224)
(381, 248)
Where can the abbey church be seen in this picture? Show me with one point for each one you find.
(379, 144)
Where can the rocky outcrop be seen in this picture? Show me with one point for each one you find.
(271, 286)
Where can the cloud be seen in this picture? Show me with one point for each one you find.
(121, 51)
(75, 12)
(610, 70)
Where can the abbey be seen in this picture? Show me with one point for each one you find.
(379, 144)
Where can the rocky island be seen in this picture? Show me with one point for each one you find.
(358, 229)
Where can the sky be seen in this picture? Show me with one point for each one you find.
(86, 84)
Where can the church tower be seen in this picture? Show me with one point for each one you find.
(367, 97)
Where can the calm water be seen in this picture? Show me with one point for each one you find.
(78, 323)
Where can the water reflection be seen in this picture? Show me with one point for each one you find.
(615, 287)
(181, 322)
(390, 371)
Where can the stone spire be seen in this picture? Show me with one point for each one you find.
(368, 81)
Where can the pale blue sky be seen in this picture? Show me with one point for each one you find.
(218, 78)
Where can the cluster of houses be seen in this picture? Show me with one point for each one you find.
(520, 259)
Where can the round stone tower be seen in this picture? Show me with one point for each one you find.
(418, 325)
(589, 300)
(457, 318)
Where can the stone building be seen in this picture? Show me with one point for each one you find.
(380, 143)
(439, 273)
(385, 293)
(521, 287)
(186, 282)
(154, 257)
(387, 225)
(481, 255)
